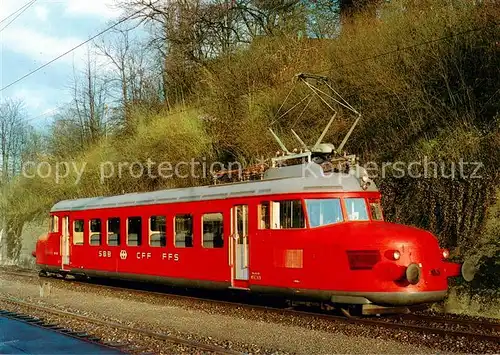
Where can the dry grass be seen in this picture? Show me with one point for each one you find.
(160, 137)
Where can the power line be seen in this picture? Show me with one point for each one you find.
(46, 113)
(74, 48)
(366, 59)
(28, 4)
(399, 49)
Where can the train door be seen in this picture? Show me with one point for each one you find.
(239, 245)
(65, 242)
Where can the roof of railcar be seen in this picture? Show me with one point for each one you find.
(276, 181)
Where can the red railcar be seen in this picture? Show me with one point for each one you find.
(299, 231)
(313, 229)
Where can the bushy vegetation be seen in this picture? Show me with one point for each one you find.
(424, 75)
(437, 102)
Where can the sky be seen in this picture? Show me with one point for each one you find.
(44, 31)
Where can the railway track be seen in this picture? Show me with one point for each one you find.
(129, 348)
(435, 318)
(489, 330)
(492, 331)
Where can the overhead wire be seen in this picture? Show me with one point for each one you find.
(376, 56)
(27, 6)
(379, 55)
(22, 8)
(326, 70)
(74, 48)
(404, 48)
(46, 113)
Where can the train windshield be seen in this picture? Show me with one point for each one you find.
(324, 211)
(356, 209)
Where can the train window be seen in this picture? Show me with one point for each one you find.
(157, 231)
(134, 231)
(356, 209)
(95, 231)
(78, 231)
(213, 230)
(113, 231)
(54, 224)
(183, 231)
(322, 212)
(376, 210)
(264, 215)
(287, 214)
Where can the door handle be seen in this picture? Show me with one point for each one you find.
(230, 249)
(245, 251)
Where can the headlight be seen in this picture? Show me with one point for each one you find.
(396, 255)
(392, 254)
(446, 253)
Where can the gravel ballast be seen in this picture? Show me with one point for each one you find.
(232, 331)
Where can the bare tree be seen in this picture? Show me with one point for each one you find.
(117, 50)
(90, 92)
(13, 130)
(35, 145)
(188, 34)
(199, 25)
(131, 68)
(82, 122)
(12, 137)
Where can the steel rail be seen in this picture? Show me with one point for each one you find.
(435, 318)
(353, 320)
(386, 323)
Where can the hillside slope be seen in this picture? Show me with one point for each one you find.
(425, 75)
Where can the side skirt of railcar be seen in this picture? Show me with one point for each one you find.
(171, 281)
(335, 297)
(361, 298)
